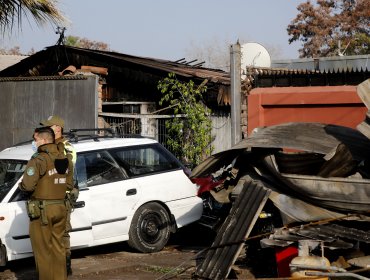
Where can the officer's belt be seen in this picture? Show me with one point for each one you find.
(45, 202)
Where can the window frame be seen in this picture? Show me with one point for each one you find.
(84, 183)
(159, 150)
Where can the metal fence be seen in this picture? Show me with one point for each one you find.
(25, 101)
(155, 127)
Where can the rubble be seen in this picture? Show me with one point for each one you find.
(318, 182)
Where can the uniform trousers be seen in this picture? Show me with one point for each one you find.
(47, 243)
(66, 237)
(67, 240)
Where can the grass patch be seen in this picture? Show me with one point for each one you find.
(161, 269)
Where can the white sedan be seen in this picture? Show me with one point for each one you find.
(131, 189)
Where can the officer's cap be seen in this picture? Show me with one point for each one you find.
(53, 120)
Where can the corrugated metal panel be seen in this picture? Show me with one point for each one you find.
(221, 128)
(238, 225)
(42, 78)
(25, 103)
(327, 64)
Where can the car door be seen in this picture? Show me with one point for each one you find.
(81, 233)
(17, 221)
(111, 197)
(14, 220)
(17, 238)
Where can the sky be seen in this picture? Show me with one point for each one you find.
(166, 29)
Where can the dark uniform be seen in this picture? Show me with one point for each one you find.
(71, 197)
(48, 176)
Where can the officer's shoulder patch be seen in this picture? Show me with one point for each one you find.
(30, 171)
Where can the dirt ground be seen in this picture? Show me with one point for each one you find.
(118, 261)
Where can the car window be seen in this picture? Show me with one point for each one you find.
(143, 160)
(96, 168)
(10, 172)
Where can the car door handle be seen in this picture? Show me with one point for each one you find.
(131, 192)
(78, 204)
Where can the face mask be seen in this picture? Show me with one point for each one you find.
(34, 146)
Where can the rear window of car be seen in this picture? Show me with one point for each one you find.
(144, 160)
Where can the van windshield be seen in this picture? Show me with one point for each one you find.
(10, 172)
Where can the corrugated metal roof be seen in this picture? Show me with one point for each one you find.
(327, 64)
(73, 55)
(42, 78)
(186, 70)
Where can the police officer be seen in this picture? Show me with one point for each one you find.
(47, 177)
(57, 125)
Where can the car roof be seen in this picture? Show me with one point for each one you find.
(24, 152)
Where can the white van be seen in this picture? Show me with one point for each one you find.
(131, 189)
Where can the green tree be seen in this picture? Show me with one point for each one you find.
(75, 41)
(13, 11)
(188, 137)
(332, 27)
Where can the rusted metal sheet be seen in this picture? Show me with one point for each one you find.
(238, 225)
(95, 69)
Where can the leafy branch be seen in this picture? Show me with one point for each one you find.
(188, 137)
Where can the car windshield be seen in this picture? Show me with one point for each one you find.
(10, 172)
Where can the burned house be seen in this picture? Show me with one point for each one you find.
(282, 184)
(92, 88)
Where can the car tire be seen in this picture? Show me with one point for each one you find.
(150, 228)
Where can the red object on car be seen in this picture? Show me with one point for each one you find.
(206, 184)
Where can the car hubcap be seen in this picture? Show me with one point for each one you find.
(150, 228)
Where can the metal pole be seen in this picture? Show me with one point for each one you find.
(235, 84)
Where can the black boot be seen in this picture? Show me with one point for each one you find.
(69, 265)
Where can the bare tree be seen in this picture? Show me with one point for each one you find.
(332, 27)
(216, 53)
(13, 51)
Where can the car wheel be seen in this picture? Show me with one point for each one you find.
(150, 228)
